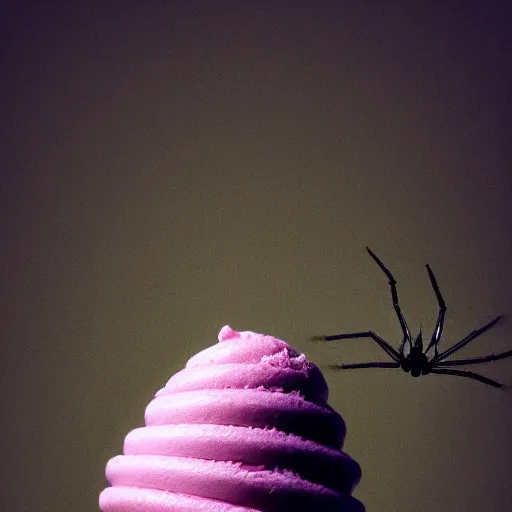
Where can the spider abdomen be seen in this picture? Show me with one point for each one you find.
(416, 363)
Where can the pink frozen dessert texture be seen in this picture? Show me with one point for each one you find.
(244, 427)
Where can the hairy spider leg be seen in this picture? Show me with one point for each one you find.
(464, 342)
(475, 360)
(394, 296)
(438, 331)
(470, 375)
(368, 334)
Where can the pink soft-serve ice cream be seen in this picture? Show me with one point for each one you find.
(244, 427)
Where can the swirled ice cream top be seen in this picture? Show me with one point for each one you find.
(244, 426)
(247, 360)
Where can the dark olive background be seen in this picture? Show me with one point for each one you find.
(171, 167)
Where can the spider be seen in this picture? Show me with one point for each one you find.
(416, 361)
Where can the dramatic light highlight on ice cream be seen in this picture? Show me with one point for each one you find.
(245, 426)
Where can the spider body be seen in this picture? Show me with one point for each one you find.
(417, 362)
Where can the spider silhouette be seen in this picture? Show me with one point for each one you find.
(416, 361)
